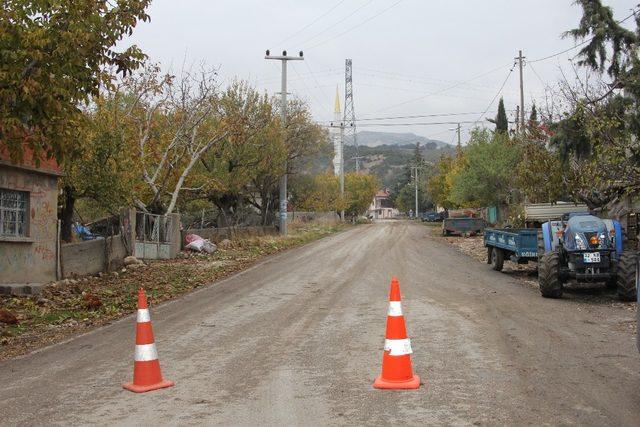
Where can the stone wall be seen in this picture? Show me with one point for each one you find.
(93, 256)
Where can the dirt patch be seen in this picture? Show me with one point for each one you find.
(71, 307)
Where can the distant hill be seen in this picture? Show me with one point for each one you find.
(374, 139)
(385, 155)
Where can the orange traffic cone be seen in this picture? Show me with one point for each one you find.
(146, 366)
(396, 360)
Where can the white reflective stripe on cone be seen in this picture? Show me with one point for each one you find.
(395, 309)
(398, 347)
(143, 315)
(146, 352)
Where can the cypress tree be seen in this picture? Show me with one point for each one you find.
(502, 124)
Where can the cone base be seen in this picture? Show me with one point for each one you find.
(144, 388)
(412, 383)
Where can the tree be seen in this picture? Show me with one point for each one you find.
(540, 174)
(244, 167)
(101, 168)
(488, 177)
(359, 191)
(325, 196)
(439, 184)
(53, 57)
(598, 136)
(177, 121)
(501, 121)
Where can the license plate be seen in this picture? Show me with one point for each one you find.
(592, 257)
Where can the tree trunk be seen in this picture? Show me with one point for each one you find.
(66, 215)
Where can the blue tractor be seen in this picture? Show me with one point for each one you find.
(588, 249)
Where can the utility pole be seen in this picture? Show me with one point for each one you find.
(459, 141)
(341, 127)
(342, 169)
(283, 105)
(415, 169)
(520, 59)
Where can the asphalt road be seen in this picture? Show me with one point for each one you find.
(297, 340)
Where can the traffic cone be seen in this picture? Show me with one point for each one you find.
(397, 372)
(146, 366)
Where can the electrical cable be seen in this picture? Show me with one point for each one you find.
(320, 103)
(336, 23)
(355, 26)
(496, 96)
(334, 7)
(442, 90)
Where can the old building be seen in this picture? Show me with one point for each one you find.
(29, 250)
(382, 206)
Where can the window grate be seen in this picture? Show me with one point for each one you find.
(14, 206)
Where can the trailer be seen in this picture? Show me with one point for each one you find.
(512, 244)
(462, 226)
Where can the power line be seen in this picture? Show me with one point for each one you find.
(324, 95)
(417, 79)
(320, 103)
(415, 124)
(336, 23)
(418, 116)
(496, 96)
(334, 7)
(545, 84)
(355, 26)
(442, 90)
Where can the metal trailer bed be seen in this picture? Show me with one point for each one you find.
(516, 245)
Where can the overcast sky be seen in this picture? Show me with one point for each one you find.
(401, 51)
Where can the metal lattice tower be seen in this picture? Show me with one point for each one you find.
(349, 112)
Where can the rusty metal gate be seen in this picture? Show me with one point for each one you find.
(153, 236)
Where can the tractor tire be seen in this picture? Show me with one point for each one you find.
(627, 276)
(497, 259)
(549, 275)
(489, 254)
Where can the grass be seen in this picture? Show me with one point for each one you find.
(61, 310)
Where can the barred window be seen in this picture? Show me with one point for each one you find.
(14, 208)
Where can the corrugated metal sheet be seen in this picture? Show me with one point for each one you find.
(547, 211)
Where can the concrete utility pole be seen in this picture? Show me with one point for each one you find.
(342, 168)
(341, 159)
(415, 169)
(520, 59)
(283, 105)
(459, 141)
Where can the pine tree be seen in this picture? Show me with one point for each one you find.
(502, 124)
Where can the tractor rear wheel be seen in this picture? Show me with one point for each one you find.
(549, 275)
(626, 273)
(497, 259)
